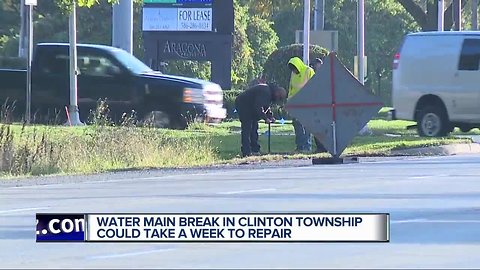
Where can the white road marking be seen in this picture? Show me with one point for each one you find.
(421, 177)
(246, 191)
(120, 255)
(22, 210)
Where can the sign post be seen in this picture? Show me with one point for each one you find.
(30, 4)
(73, 114)
(306, 32)
(441, 10)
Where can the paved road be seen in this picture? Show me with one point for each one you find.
(434, 205)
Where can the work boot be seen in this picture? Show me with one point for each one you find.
(244, 155)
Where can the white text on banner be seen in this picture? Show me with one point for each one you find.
(237, 227)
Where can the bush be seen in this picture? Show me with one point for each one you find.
(229, 97)
(276, 69)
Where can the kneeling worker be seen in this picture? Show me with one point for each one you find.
(253, 105)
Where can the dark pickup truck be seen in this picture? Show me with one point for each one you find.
(111, 74)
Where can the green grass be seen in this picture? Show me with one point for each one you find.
(40, 150)
(380, 143)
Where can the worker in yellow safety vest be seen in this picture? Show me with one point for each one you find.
(301, 73)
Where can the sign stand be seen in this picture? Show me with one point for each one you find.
(334, 118)
(336, 159)
(269, 137)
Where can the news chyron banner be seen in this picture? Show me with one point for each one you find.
(210, 227)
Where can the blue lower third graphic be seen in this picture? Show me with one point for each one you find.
(60, 228)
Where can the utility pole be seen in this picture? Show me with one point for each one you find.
(319, 15)
(73, 113)
(21, 42)
(28, 102)
(441, 10)
(474, 15)
(457, 14)
(361, 40)
(306, 32)
(122, 25)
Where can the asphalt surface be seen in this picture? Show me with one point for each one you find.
(434, 205)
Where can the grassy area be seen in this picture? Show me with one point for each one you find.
(387, 136)
(38, 150)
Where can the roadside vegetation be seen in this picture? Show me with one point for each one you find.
(101, 146)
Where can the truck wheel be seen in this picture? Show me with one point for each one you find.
(157, 119)
(433, 122)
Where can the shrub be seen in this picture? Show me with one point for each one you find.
(229, 97)
(276, 69)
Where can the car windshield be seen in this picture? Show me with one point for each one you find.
(131, 62)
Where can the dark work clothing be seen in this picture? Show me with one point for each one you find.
(303, 139)
(249, 137)
(251, 106)
(254, 101)
(320, 147)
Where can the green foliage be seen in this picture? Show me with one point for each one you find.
(276, 69)
(195, 69)
(286, 23)
(229, 97)
(242, 62)
(263, 38)
(267, 9)
(8, 45)
(41, 150)
(383, 40)
(66, 5)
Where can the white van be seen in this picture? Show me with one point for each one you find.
(436, 81)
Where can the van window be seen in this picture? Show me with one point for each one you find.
(470, 57)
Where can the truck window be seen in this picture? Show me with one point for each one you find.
(131, 62)
(470, 56)
(59, 65)
(97, 66)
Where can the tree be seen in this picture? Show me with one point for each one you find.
(263, 38)
(425, 13)
(242, 61)
(286, 22)
(67, 4)
(268, 9)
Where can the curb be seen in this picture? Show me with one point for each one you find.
(441, 150)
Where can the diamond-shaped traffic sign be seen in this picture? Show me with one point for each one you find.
(333, 105)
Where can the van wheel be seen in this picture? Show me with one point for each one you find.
(433, 122)
(157, 119)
